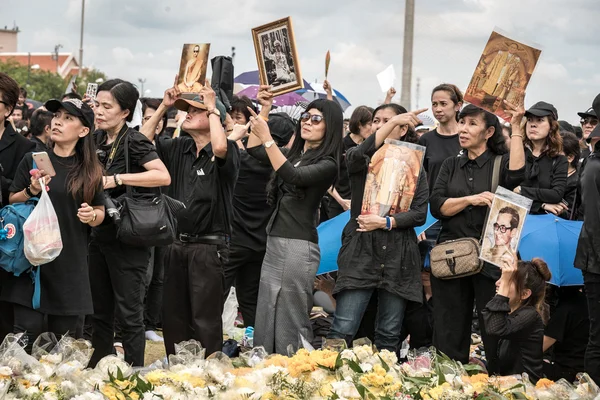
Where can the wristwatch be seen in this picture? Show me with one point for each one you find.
(118, 180)
(214, 111)
(269, 143)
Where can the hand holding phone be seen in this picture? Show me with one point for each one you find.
(43, 163)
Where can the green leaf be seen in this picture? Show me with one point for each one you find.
(361, 389)
(384, 364)
(473, 369)
(120, 374)
(354, 366)
(338, 361)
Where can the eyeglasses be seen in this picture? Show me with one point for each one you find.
(502, 228)
(314, 118)
(591, 121)
(3, 102)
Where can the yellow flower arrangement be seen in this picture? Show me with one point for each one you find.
(276, 360)
(112, 393)
(305, 361)
(157, 376)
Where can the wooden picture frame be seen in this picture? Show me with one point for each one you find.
(276, 56)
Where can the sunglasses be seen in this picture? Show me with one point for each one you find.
(314, 118)
(591, 121)
(501, 228)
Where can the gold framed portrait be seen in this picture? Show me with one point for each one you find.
(277, 57)
(193, 66)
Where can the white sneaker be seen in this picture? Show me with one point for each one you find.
(153, 337)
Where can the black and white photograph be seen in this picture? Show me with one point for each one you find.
(277, 57)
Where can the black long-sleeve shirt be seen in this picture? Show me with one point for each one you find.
(521, 337)
(545, 180)
(382, 259)
(587, 257)
(300, 189)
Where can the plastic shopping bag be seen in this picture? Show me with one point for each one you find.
(42, 242)
(230, 312)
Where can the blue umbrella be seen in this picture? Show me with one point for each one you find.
(554, 240)
(330, 239)
(251, 78)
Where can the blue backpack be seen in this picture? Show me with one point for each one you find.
(12, 218)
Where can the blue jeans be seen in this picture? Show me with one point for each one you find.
(350, 307)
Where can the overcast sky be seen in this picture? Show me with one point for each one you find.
(133, 39)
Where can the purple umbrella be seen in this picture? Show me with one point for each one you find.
(288, 99)
(251, 78)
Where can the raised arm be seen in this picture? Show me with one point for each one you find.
(149, 128)
(328, 89)
(265, 99)
(389, 95)
(218, 139)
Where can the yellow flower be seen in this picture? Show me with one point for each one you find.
(25, 383)
(124, 385)
(476, 378)
(156, 377)
(544, 383)
(112, 393)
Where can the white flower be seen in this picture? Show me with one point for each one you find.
(89, 396)
(363, 352)
(31, 391)
(6, 371)
(366, 367)
(348, 354)
(68, 388)
(345, 389)
(51, 358)
(388, 357)
(50, 396)
(112, 364)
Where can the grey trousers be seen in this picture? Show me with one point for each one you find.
(285, 296)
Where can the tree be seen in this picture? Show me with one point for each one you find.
(40, 85)
(44, 85)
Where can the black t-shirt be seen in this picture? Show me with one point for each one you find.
(65, 284)
(141, 151)
(439, 147)
(343, 183)
(545, 180)
(203, 182)
(570, 326)
(251, 212)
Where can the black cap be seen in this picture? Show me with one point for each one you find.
(566, 127)
(589, 113)
(74, 107)
(542, 109)
(596, 107)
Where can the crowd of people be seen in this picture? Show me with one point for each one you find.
(256, 183)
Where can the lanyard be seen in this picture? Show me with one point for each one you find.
(115, 146)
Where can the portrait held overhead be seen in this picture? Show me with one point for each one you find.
(277, 58)
(335, 209)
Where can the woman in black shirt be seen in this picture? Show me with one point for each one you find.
(460, 199)
(516, 315)
(303, 175)
(546, 167)
(118, 271)
(567, 209)
(379, 253)
(76, 194)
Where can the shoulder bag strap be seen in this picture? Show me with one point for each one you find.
(495, 183)
(126, 149)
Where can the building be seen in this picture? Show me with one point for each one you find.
(8, 39)
(66, 65)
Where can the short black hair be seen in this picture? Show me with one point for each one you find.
(571, 147)
(514, 214)
(23, 91)
(282, 128)
(361, 116)
(125, 93)
(9, 88)
(241, 104)
(496, 143)
(39, 121)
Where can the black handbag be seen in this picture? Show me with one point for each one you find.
(147, 219)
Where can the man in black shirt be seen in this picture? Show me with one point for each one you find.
(587, 257)
(204, 166)
(251, 214)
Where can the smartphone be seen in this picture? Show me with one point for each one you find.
(43, 162)
(92, 89)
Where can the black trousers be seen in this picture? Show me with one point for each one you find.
(193, 295)
(32, 323)
(243, 270)
(117, 277)
(418, 323)
(6, 311)
(591, 284)
(453, 315)
(154, 292)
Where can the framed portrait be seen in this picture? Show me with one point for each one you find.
(392, 178)
(192, 68)
(502, 74)
(504, 226)
(277, 58)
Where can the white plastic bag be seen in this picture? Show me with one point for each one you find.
(230, 312)
(42, 242)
